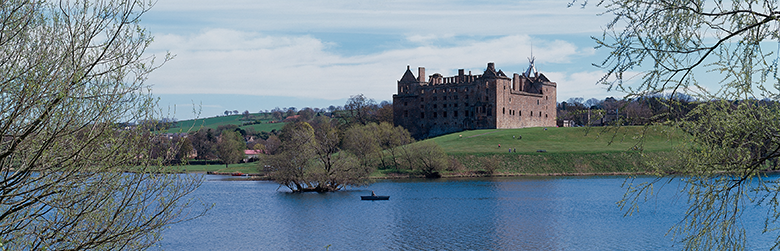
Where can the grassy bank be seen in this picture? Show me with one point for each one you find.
(560, 140)
(553, 151)
(241, 168)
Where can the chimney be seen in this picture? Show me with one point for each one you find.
(492, 66)
(421, 74)
(460, 72)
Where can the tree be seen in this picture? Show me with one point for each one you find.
(71, 72)
(290, 166)
(358, 110)
(204, 143)
(385, 112)
(309, 159)
(306, 114)
(733, 137)
(361, 141)
(426, 157)
(185, 149)
(336, 168)
(277, 114)
(230, 147)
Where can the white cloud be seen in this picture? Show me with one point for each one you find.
(581, 84)
(222, 61)
(387, 16)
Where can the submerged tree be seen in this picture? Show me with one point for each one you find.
(310, 160)
(70, 71)
(721, 52)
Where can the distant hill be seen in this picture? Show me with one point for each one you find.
(258, 121)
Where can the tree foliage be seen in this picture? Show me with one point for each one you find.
(70, 71)
(721, 52)
(376, 145)
(426, 157)
(309, 159)
(230, 147)
(317, 156)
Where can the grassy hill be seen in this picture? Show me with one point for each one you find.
(567, 151)
(239, 120)
(559, 140)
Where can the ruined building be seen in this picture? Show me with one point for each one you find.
(491, 100)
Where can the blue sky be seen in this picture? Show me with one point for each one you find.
(257, 55)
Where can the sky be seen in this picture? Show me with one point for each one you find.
(258, 55)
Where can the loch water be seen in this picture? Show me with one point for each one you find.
(521, 213)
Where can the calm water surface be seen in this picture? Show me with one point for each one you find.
(559, 213)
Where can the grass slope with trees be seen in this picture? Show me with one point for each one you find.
(260, 122)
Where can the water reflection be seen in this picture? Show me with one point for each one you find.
(473, 214)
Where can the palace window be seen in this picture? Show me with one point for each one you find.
(455, 114)
(434, 107)
(422, 115)
(444, 114)
(434, 114)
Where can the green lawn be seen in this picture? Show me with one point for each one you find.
(214, 122)
(252, 167)
(567, 151)
(559, 140)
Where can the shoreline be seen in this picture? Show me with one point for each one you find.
(258, 176)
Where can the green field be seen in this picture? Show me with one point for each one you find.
(252, 167)
(559, 140)
(239, 120)
(565, 151)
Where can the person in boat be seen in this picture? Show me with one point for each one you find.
(372, 193)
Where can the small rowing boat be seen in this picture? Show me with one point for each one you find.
(374, 197)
